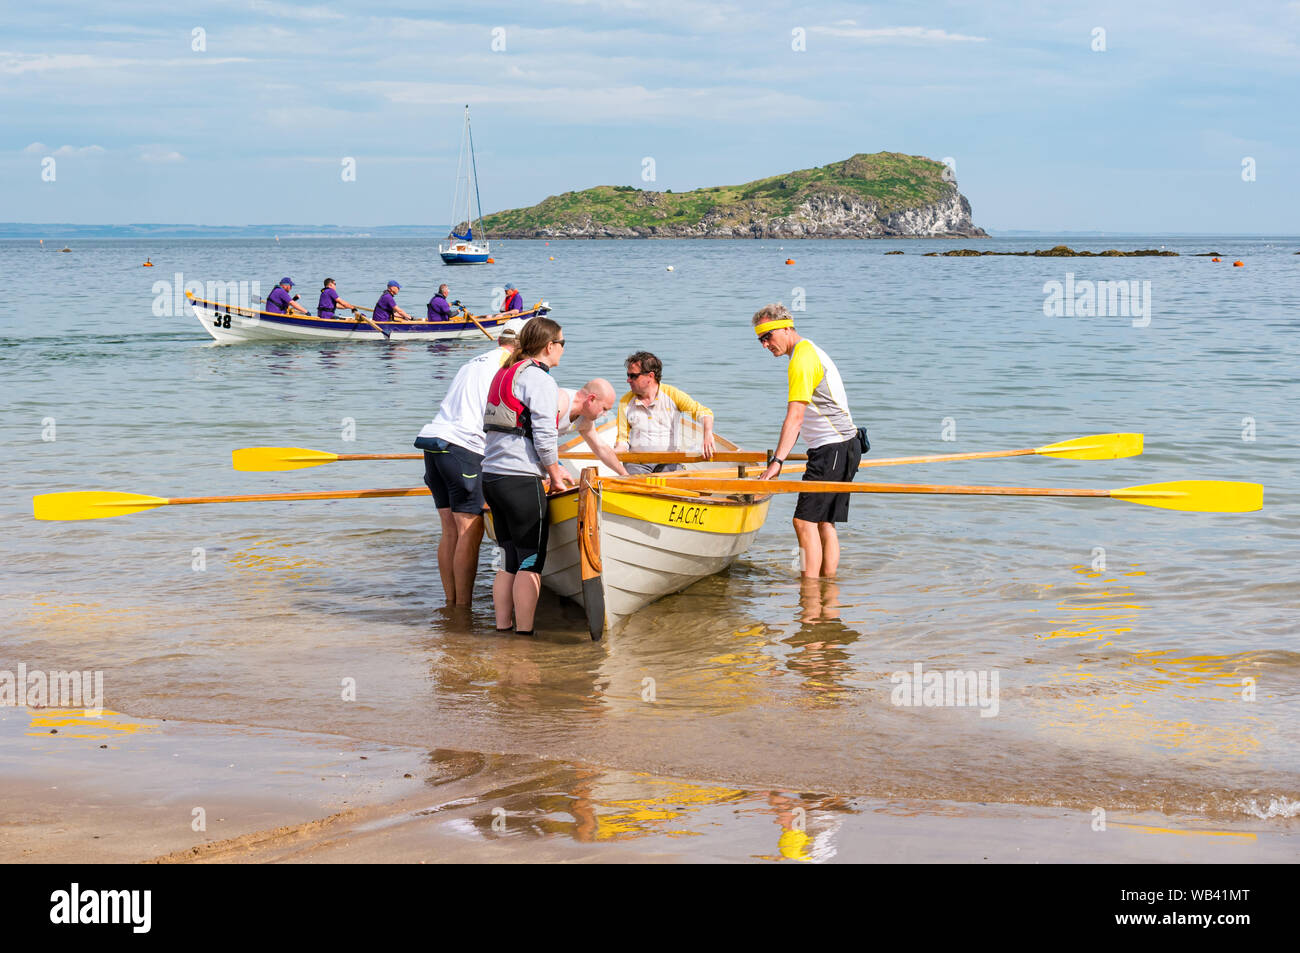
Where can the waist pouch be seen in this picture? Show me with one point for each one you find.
(863, 442)
(431, 444)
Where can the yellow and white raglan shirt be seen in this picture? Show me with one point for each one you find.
(815, 381)
(657, 427)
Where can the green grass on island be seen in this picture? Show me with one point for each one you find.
(890, 179)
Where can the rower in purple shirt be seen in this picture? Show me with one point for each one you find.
(330, 301)
(514, 300)
(439, 307)
(280, 301)
(386, 308)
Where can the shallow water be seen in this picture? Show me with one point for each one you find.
(1120, 686)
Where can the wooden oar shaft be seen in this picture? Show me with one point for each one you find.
(465, 312)
(721, 456)
(826, 486)
(313, 495)
(381, 456)
(945, 457)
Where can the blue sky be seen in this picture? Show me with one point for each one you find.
(1147, 135)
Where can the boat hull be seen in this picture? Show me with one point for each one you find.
(464, 253)
(233, 325)
(614, 552)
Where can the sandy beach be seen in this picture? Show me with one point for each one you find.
(124, 790)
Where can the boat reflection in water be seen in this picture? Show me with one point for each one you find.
(589, 805)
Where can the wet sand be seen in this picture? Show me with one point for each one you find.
(121, 789)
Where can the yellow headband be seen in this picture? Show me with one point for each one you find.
(766, 326)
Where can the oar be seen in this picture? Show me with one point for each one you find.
(465, 311)
(1097, 447)
(1103, 446)
(1199, 496)
(264, 459)
(369, 321)
(94, 504)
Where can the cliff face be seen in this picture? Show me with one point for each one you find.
(884, 195)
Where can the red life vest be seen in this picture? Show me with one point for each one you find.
(506, 413)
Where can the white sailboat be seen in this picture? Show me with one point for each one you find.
(464, 249)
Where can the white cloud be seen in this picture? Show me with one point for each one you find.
(65, 152)
(17, 63)
(610, 103)
(923, 34)
(294, 12)
(161, 155)
(36, 149)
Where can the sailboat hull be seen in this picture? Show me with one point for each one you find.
(463, 253)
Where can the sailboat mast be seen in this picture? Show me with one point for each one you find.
(478, 202)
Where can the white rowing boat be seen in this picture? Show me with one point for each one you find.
(616, 548)
(232, 324)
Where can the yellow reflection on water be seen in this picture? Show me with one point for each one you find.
(1145, 829)
(1119, 601)
(257, 558)
(75, 723)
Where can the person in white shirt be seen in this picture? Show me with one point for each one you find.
(453, 445)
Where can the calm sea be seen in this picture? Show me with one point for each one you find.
(1146, 659)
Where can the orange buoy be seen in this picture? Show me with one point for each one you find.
(1238, 264)
(491, 261)
(1216, 259)
(789, 261)
(147, 264)
(552, 258)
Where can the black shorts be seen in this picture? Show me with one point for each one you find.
(453, 475)
(838, 462)
(520, 518)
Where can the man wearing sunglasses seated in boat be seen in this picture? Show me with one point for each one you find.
(281, 301)
(330, 301)
(817, 409)
(650, 415)
(386, 308)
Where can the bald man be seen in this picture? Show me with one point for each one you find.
(578, 411)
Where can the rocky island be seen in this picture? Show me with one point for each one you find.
(883, 195)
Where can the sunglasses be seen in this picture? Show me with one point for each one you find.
(763, 339)
(559, 342)
(633, 377)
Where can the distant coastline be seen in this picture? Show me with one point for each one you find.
(61, 231)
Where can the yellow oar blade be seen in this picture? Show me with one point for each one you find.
(262, 459)
(1196, 496)
(91, 504)
(1102, 446)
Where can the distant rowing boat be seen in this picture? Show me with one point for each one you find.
(616, 549)
(231, 324)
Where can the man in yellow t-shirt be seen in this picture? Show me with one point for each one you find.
(818, 411)
(650, 415)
